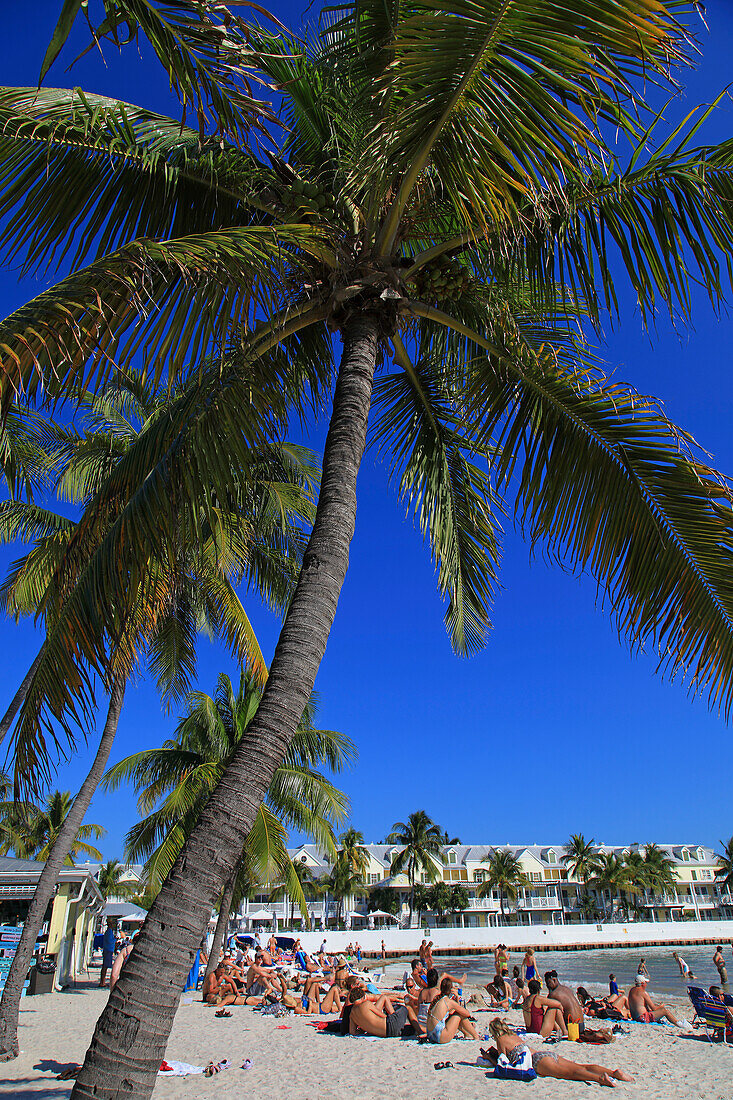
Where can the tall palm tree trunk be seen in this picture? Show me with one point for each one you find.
(221, 925)
(10, 1005)
(130, 1038)
(19, 698)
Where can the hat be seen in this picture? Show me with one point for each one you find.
(641, 979)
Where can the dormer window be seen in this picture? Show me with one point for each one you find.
(685, 855)
(451, 857)
(700, 855)
(551, 856)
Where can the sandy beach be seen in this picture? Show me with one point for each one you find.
(302, 1064)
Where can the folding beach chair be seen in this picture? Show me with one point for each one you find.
(712, 1015)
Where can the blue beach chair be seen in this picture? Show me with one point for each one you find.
(712, 1015)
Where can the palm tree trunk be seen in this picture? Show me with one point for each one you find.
(10, 1005)
(225, 906)
(19, 698)
(130, 1039)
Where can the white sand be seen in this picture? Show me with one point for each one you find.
(301, 1064)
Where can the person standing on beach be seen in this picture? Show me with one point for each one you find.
(685, 972)
(719, 962)
(384, 951)
(109, 943)
(529, 965)
(641, 970)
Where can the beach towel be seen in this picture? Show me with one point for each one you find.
(178, 1069)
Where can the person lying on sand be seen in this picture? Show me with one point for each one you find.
(381, 1017)
(642, 1007)
(543, 1015)
(545, 1064)
(599, 1007)
(445, 1017)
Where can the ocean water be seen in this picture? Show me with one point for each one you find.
(591, 968)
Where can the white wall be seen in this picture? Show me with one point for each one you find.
(406, 941)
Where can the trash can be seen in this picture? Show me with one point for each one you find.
(41, 980)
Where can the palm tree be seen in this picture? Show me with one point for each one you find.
(724, 872)
(580, 856)
(408, 210)
(353, 853)
(505, 874)
(112, 882)
(179, 592)
(175, 781)
(38, 830)
(421, 842)
(659, 870)
(342, 883)
(303, 873)
(615, 875)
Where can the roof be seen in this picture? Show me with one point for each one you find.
(10, 865)
(124, 910)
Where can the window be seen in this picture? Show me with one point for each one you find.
(479, 876)
(685, 855)
(706, 873)
(552, 876)
(304, 859)
(262, 899)
(451, 857)
(423, 877)
(535, 876)
(373, 879)
(551, 857)
(693, 872)
(700, 855)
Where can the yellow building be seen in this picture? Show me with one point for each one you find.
(68, 931)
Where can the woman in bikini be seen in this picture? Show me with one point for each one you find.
(545, 1064)
(542, 1015)
(446, 1016)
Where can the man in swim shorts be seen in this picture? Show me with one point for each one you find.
(642, 1007)
(571, 1006)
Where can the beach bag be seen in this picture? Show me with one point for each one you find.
(599, 1038)
(519, 1070)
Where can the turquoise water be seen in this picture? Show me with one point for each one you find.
(591, 968)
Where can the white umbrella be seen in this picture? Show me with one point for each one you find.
(381, 913)
(261, 914)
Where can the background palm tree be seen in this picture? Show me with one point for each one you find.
(724, 873)
(614, 874)
(112, 882)
(303, 873)
(352, 851)
(424, 249)
(36, 831)
(421, 842)
(175, 781)
(659, 870)
(504, 874)
(581, 858)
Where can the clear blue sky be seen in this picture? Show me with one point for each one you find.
(553, 728)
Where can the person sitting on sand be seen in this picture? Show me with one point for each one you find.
(571, 1007)
(642, 1007)
(331, 1002)
(500, 992)
(258, 981)
(446, 1016)
(384, 1020)
(717, 995)
(543, 1015)
(546, 1064)
(522, 993)
(219, 989)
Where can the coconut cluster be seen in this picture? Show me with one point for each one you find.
(311, 196)
(446, 278)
